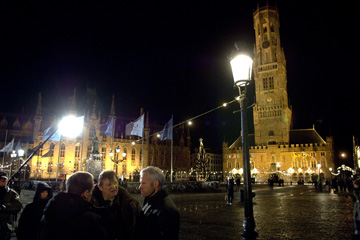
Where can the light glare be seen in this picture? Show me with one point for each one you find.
(71, 126)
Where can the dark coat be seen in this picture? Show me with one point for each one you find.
(122, 217)
(31, 216)
(68, 216)
(357, 204)
(230, 188)
(161, 217)
(10, 204)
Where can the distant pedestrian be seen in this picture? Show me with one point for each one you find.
(356, 193)
(68, 216)
(10, 205)
(238, 184)
(271, 183)
(230, 191)
(161, 217)
(31, 216)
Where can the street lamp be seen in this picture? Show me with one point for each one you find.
(13, 156)
(241, 65)
(116, 159)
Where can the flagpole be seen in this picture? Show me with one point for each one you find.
(57, 168)
(3, 159)
(142, 150)
(112, 134)
(82, 149)
(172, 137)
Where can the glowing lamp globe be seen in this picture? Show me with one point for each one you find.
(241, 66)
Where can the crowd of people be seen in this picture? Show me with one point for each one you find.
(84, 210)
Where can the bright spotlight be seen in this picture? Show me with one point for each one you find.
(71, 126)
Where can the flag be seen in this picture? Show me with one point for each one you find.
(49, 131)
(8, 148)
(167, 132)
(135, 128)
(17, 147)
(109, 127)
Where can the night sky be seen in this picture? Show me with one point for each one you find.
(170, 57)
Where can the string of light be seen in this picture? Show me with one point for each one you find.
(190, 119)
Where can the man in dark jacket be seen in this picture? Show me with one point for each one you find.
(10, 205)
(31, 216)
(161, 218)
(120, 211)
(68, 214)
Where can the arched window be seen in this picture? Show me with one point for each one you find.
(89, 150)
(295, 163)
(124, 154)
(313, 163)
(92, 132)
(52, 147)
(49, 167)
(103, 152)
(76, 165)
(62, 150)
(304, 163)
(133, 154)
(77, 151)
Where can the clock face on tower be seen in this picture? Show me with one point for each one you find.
(265, 44)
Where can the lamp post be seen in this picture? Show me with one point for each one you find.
(241, 65)
(320, 183)
(330, 184)
(13, 156)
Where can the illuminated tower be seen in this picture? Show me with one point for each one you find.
(272, 113)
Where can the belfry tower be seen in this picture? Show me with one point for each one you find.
(272, 113)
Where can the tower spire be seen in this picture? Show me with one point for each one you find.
(38, 108)
(112, 109)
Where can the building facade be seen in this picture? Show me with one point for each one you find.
(126, 155)
(276, 149)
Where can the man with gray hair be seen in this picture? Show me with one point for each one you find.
(161, 217)
(120, 211)
(68, 214)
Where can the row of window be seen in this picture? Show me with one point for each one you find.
(77, 155)
(270, 114)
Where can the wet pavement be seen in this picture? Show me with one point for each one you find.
(289, 212)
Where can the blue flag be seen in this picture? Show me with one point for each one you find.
(55, 137)
(135, 128)
(167, 132)
(109, 127)
(8, 148)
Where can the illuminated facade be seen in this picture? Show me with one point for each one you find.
(71, 155)
(275, 148)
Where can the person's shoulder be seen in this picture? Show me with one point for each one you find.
(169, 203)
